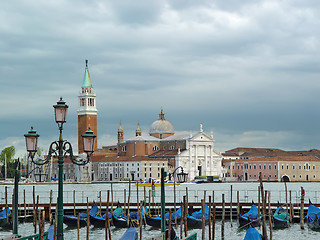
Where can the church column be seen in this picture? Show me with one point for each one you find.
(211, 160)
(206, 161)
(195, 160)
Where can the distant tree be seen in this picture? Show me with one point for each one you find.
(8, 154)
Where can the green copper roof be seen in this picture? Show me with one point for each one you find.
(86, 80)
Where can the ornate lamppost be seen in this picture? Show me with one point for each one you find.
(60, 149)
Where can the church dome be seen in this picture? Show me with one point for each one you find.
(161, 126)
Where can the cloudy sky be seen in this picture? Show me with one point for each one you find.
(247, 70)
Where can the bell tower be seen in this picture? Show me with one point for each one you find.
(87, 111)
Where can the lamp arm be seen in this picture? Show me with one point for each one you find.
(176, 170)
(67, 147)
(53, 150)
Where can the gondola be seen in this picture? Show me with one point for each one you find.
(178, 213)
(155, 221)
(313, 217)
(4, 223)
(279, 218)
(72, 221)
(130, 234)
(100, 221)
(250, 217)
(195, 219)
(120, 220)
(252, 234)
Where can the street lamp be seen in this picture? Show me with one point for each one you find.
(60, 149)
(182, 176)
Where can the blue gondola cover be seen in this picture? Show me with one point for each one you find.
(252, 214)
(252, 234)
(130, 234)
(3, 213)
(313, 213)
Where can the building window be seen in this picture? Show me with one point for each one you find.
(249, 166)
(254, 166)
(293, 167)
(82, 102)
(238, 167)
(314, 167)
(259, 166)
(233, 167)
(282, 167)
(264, 166)
(314, 176)
(299, 176)
(91, 102)
(294, 176)
(145, 175)
(300, 167)
(275, 166)
(171, 147)
(155, 148)
(124, 148)
(287, 166)
(150, 174)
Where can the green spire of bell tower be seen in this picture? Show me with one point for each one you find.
(86, 80)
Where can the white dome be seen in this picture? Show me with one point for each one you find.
(161, 125)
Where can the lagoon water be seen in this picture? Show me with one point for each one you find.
(248, 192)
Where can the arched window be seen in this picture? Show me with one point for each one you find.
(124, 148)
(155, 148)
(171, 147)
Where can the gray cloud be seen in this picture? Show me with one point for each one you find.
(248, 70)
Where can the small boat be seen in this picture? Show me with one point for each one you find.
(100, 221)
(279, 218)
(149, 182)
(252, 234)
(72, 221)
(313, 217)
(178, 212)
(155, 221)
(130, 234)
(120, 220)
(4, 223)
(251, 217)
(195, 219)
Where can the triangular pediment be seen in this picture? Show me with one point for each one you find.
(201, 137)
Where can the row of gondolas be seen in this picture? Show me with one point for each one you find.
(279, 220)
(119, 219)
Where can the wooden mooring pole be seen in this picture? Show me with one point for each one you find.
(231, 205)
(270, 212)
(302, 209)
(223, 217)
